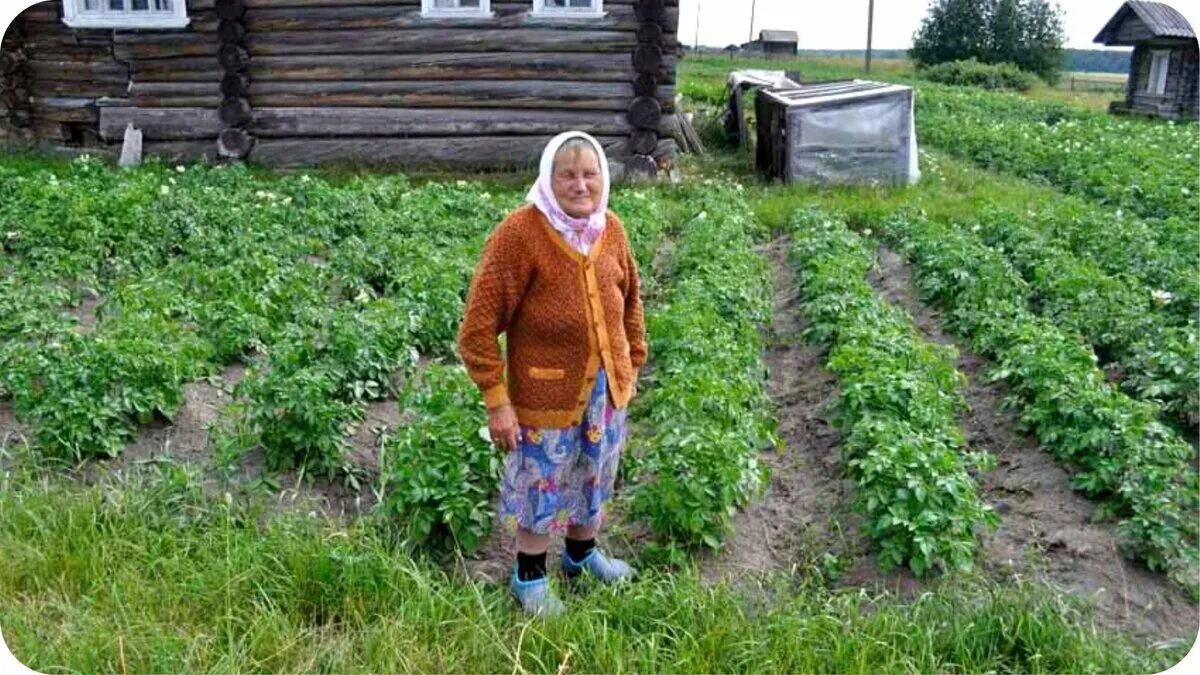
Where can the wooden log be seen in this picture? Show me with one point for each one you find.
(195, 68)
(650, 10)
(440, 94)
(356, 17)
(160, 124)
(233, 58)
(158, 89)
(234, 143)
(229, 9)
(645, 85)
(645, 112)
(235, 84)
(477, 66)
(77, 71)
(81, 89)
(648, 59)
(86, 115)
(160, 44)
(401, 122)
(235, 111)
(230, 31)
(196, 123)
(472, 153)
(441, 40)
(649, 33)
(642, 142)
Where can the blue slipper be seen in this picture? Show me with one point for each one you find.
(536, 597)
(603, 568)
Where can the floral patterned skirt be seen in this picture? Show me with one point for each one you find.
(559, 477)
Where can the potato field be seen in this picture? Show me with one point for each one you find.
(948, 427)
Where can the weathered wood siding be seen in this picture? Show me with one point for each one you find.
(296, 82)
(1180, 96)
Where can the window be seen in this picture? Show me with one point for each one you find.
(568, 7)
(125, 13)
(1160, 62)
(439, 9)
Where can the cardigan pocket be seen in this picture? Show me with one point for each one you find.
(546, 373)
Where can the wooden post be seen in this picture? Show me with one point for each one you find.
(870, 27)
(235, 112)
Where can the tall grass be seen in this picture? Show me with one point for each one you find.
(151, 575)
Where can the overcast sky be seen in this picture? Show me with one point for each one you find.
(842, 24)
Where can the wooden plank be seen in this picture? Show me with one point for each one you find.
(513, 66)
(64, 110)
(546, 94)
(470, 153)
(160, 124)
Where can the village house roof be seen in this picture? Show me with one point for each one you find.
(778, 36)
(1162, 20)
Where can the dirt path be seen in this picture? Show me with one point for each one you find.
(1046, 531)
(803, 522)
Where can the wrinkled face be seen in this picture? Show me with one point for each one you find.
(577, 181)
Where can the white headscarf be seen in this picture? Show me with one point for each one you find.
(580, 233)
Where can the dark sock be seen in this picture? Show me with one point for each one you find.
(579, 549)
(531, 567)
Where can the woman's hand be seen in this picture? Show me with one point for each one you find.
(502, 425)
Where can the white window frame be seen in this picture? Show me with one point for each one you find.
(540, 9)
(76, 15)
(1156, 84)
(429, 11)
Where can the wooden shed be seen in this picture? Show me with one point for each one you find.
(775, 44)
(1165, 65)
(460, 84)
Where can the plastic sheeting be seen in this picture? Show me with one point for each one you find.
(851, 131)
(868, 141)
(777, 79)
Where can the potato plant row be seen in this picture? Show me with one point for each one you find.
(1121, 245)
(1119, 451)
(1127, 323)
(1147, 169)
(899, 396)
(708, 412)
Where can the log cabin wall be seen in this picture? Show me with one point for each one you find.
(307, 82)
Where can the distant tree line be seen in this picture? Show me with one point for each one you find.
(1025, 33)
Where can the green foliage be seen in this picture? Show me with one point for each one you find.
(1119, 450)
(708, 406)
(972, 73)
(438, 473)
(1148, 169)
(1128, 323)
(1027, 33)
(153, 576)
(898, 402)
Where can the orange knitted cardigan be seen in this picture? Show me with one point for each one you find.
(564, 314)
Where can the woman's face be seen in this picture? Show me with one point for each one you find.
(577, 181)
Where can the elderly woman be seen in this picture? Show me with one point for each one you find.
(558, 278)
